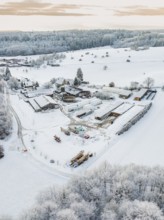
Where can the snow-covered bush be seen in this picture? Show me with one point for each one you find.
(13, 83)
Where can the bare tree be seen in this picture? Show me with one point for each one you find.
(149, 82)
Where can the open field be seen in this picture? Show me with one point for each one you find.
(144, 63)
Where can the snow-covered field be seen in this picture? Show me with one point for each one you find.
(23, 174)
(144, 63)
(22, 178)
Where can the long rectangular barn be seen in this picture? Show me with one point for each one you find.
(104, 113)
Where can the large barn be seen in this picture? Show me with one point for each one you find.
(104, 113)
(42, 103)
(123, 93)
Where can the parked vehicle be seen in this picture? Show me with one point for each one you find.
(57, 138)
(66, 132)
(86, 136)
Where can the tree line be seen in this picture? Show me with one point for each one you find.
(5, 116)
(31, 43)
(107, 193)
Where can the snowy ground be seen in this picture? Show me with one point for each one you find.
(143, 143)
(23, 175)
(143, 63)
(22, 178)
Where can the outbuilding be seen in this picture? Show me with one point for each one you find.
(42, 103)
(104, 113)
(140, 94)
(123, 93)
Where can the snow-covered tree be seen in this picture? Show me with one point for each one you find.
(5, 117)
(111, 84)
(110, 192)
(76, 81)
(79, 74)
(139, 210)
(13, 83)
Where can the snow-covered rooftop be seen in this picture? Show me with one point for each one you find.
(140, 93)
(123, 108)
(108, 109)
(118, 91)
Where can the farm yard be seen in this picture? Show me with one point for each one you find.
(70, 128)
(57, 108)
(55, 135)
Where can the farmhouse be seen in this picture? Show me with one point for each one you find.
(140, 94)
(77, 92)
(102, 114)
(42, 103)
(72, 90)
(28, 84)
(125, 94)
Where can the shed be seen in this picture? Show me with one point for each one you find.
(84, 112)
(140, 94)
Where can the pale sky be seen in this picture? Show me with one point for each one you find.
(44, 15)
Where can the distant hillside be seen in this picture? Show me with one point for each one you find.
(31, 43)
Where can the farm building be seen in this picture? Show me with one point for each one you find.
(60, 82)
(95, 101)
(83, 112)
(34, 93)
(28, 84)
(72, 90)
(126, 118)
(121, 109)
(42, 103)
(125, 94)
(102, 114)
(34, 105)
(140, 94)
(78, 105)
(77, 92)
